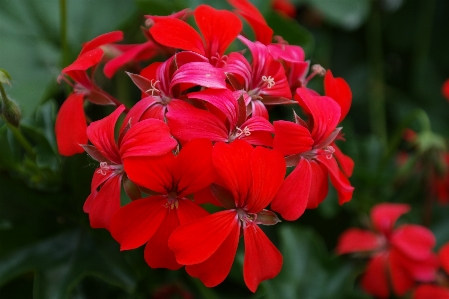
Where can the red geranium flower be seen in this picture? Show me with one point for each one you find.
(207, 246)
(445, 89)
(171, 179)
(150, 137)
(399, 256)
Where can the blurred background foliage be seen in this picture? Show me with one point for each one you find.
(393, 53)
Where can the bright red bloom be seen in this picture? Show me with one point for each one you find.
(402, 255)
(207, 246)
(219, 28)
(151, 220)
(445, 89)
(339, 90)
(147, 138)
(310, 148)
(429, 291)
(440, 181)
(285, 7)
(71, 114)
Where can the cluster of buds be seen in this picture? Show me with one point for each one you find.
(201, 134)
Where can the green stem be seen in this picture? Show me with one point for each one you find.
(63, 32)
(377, 87)
(23, 142)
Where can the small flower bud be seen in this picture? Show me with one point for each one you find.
(11, 112)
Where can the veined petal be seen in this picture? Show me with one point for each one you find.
(291, 138)
(339, 90)
(101, 134)
(264, 187)
(291, 200)
(319, 185)
(157, 254)
(237, 64)
(196, 241)
(384, 215)
(215, 269)
(415, 241)
(290, 53)
(172, 32)
(223, 99)
(103, 39)
(154, 173)
(262, 259)
(338, 179)
(358, 240)
(259, 109)
(219, 28)
(105, 203)
(84, 61)
(325, 113)
(187, 123)
(255, 19)
(135, 223)
(70, 126)
(375, 279)
(194, 170)
(199, 73)
(232, 163)
(135, 114)
(149, 137)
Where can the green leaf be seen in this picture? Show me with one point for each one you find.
(349, 14)
(61, 261)
(309, 272)
(4, 76)
(31, 49)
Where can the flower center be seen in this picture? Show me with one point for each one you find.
(269, 81)
(244, 217)
(105, 167)
(153, 89)
(172, 200)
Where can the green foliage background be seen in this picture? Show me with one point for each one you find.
(393, 53)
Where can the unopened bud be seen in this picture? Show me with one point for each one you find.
(11, 112)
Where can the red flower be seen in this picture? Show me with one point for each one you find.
(310, 148)
(207, 246)
(219, 28)
(151, 220)
(147, 138)
(402, 255)
(445, 89)
(285, 7)
(440, 181)
(71, 114)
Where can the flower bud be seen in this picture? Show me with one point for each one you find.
(11, 112)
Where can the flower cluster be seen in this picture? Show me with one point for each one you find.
(399, 257)
(201, 134)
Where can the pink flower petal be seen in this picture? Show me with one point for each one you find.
(70, 126)
(291, 200)
(199, 73)
(134, 224)
(262, 259)
(358, 240)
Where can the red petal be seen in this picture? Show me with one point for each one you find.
(345, 162)
(97, 179)
(260, 131)
(199, 73)
(219, 28)
(339, 90)
(428, 291)
(444, 257)
(290, 138)
(194, 170)
(70, 126)
(375, 280)
(189, 211)
(415, 241)
(101, 134)
(196, 241)
(232, 163)
(172, 32)
(319, 186)
(157, 254)
(291, 200)
(401, 279)
(223, 99)
(136, 113)
(264, 187)
(262, 259)
(105, 203)
(135, 223)
(103, 39)
(338, 179)
(384, 215)
(445, 89)
(256, 20)
(259, 109)
(358, 240)
(187, 123)
(324, 111)
(150, 137)
(154, 173)
(85, 61)
(215, 269)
